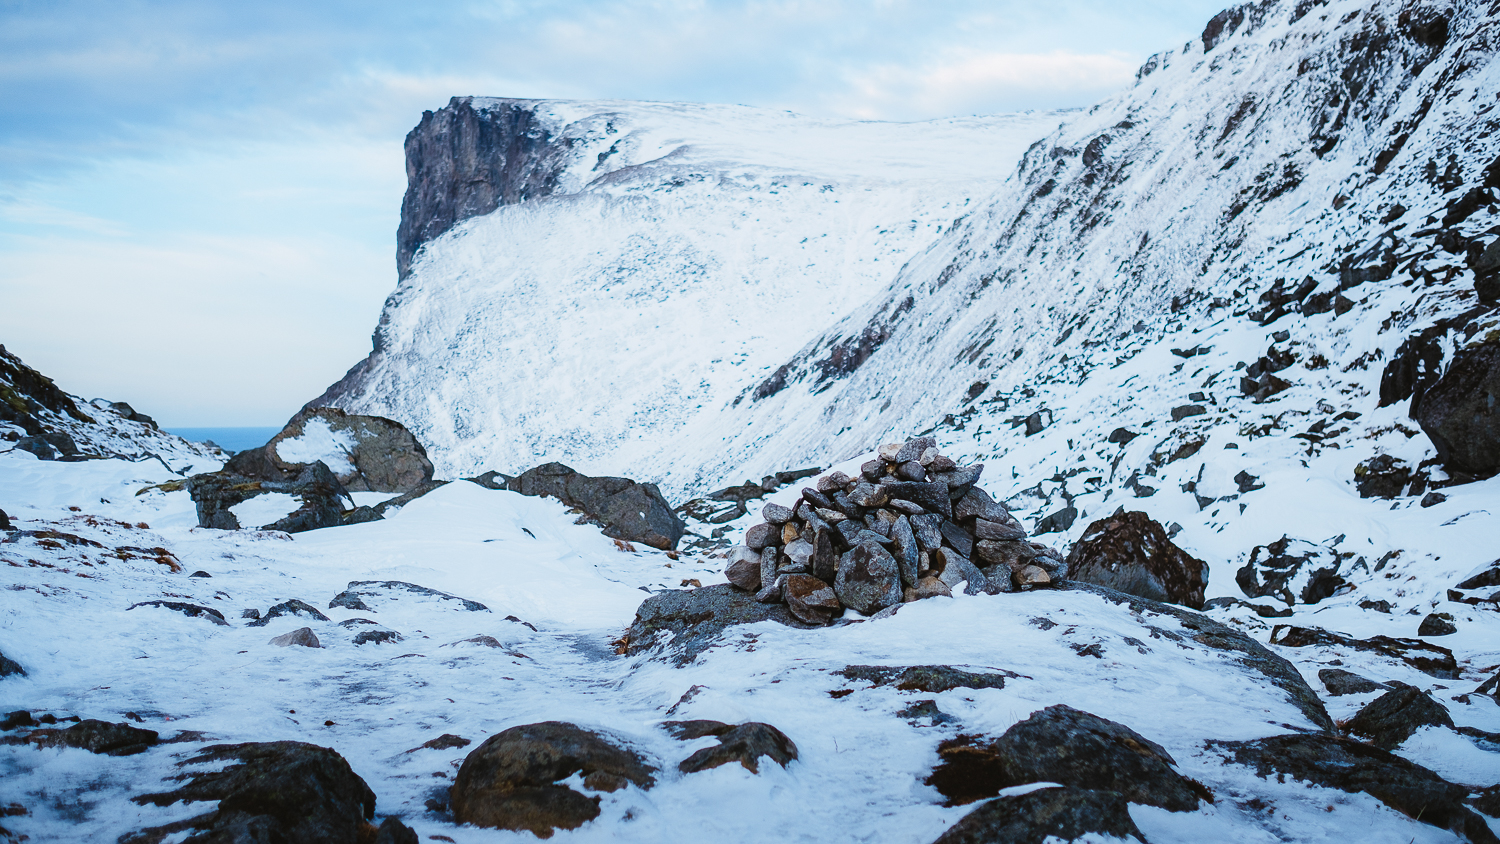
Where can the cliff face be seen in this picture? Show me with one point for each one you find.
(464, 162)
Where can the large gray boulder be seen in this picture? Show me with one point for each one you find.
(365, 453)
(513, 780)
(622, 508)
(1461, 412)
(1130, 552)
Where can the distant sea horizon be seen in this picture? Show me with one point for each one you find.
(232, 440)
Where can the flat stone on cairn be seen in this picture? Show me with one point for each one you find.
(912, 525)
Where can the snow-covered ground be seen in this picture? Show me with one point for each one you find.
(64, 617)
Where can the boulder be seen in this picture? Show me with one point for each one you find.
(511, 781)
(932, 679)
(1391, 718)
(1461, 412)
(302, 636)
(622, 508)
(1043, 816)
(1354, 767)
(696, 729)
(745, 744)
(189, 610)
(869, 580)
(811, 600)
(1130, 552)
(393, 831)
(1294, 571)
(5, 521)
(365, 453)
(290, 607)
(271, 791)
(744, 568)
(1064, 745)
(321, 494)
(692, 619)
(1340, 682)
(1433, 660)
(1437, 624)
(93, 736)
(9, 666)
(357, 592)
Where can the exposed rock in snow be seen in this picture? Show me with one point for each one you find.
(1049, 813)
(623, 508)
(1130, 552)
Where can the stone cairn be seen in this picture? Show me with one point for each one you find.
(913, 525)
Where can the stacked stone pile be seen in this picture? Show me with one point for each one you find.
(913, 525)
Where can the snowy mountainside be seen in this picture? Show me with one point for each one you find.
(646, 263)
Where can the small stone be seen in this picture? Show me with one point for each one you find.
(964, 477)
(252, 613)
(799, 555)
(833, 517)
(914, 448)
(868, 495)
(927, 587)
(817, 499)
(789, 533)
(911, 471)
(200, 574)
(868, 579)
(907, 507)
(942, 463)
(301, 636)
(761, 535)
(872, 470)
(776, 514)
(928, 456)
(744, 572)
(375, 637)
(954, 569)
(1433, 499)
(832, 482)
(772, 591)
(1032, 577)
(889, 451)
(933, 496)
(999, 579)
(1437, 624)
(1121, 436)
(1186, 410)
(927, 529)
(997, 532)
(906, 550)
(825, 563)
(769, 559)
(811, 599)
(1340, 682)
(957, 538)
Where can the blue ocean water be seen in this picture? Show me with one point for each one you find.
(229, 439)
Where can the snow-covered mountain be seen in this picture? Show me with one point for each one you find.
(644, 264)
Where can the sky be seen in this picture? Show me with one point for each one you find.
(199, 200)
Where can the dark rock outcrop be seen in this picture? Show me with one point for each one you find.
(1430, 659)
(189, 610)
(511, 780)
(1391, 718)
(1340, 682)
(1355, 767)
(352, 598)
(321, 494)
(1047, 814)
(745, 744)
(1461, 412)
(289, 607)
(376, 454)
(26, 395)
(1437, 624)
(271, 791)
(463, 161)
(9, 666)
(94, 736)
(1294, 571)
(932, 679)
(1130, 552)
(1064, 745)
(694, 618)
(622, 508)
